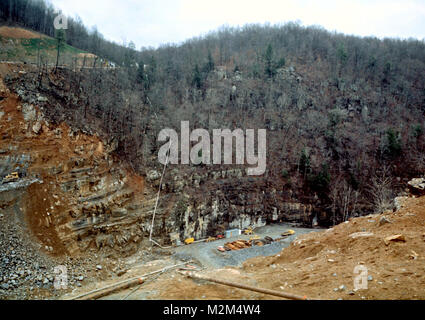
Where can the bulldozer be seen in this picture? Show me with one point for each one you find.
(14, 176)
(189, 240)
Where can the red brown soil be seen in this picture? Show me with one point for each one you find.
(48, 151)
(397, 269)
(19, 33)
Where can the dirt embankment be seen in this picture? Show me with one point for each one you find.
(19, 33)
(321, 265)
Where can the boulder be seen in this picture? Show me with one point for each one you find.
(383, 220)
(417, 186)
(399, 202)
(394, 238)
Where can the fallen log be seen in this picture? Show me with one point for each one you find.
(246, 287)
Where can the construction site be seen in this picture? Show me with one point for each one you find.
(87, 212)
(57, 173)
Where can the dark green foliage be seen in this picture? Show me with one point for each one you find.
(200, 75)
(304, 162)
(141, 76)
(417, 130)
(393, 146)
(320, 182)
(130, 56)
(269, 69)
(334, 119)
(281, 63)
(151, 73)
(387, 73)
(270, 65)
(209, 66)
(197, 78)
(146, 75)
(353, 181)
(342, 54)
(372, 63)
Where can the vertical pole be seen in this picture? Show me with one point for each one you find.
(159, 191)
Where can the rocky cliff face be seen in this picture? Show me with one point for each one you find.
(207, 202)
(76, 194)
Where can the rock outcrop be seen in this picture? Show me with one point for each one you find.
(417, 186)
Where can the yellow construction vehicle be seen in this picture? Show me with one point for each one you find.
(189, 240)
(14, 176)
(255, 237)
(288, 233)
(248, 231)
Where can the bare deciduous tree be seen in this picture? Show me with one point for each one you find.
(381, 190)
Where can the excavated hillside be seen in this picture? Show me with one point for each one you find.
(71, 199)
(320, 265)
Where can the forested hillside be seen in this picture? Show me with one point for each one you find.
(344, 114)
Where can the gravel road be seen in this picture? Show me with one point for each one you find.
(208, 255)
